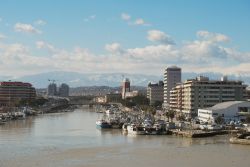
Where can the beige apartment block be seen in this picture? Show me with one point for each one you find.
(201, 92)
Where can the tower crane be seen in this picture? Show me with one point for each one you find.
(52, 80)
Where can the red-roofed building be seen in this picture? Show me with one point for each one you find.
(13, 91)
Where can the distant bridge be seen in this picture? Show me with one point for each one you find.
(80, 100)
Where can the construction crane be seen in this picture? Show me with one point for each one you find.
(52, 80)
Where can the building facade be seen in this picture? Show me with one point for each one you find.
(11, 92)
(202, 93)
(63, 90)
(125, 87)
(172, 76)
(52, 89)
(113, 97)
(155, 92)
(230, 111)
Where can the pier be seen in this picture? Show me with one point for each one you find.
(198, 133)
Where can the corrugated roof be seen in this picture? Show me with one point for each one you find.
(225, 105)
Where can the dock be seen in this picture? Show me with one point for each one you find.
(198, 133)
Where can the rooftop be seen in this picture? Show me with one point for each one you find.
(225, 105)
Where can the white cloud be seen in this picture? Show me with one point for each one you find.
(40, 22)
(2, 36)
(125, 16)
(27, 28)
(44, 45)
(142, 22)
(92, 17)
(114, 48)
(200, 55)
(159, 36)
(139, 22)
(216, 37)
(1, 19)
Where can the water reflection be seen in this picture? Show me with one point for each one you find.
(73, 134)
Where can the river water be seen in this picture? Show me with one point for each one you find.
(71, 139)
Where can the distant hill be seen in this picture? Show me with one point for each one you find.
(75, 79)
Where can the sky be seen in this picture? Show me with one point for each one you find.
(128, 36)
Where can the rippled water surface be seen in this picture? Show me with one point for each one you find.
(71, 139)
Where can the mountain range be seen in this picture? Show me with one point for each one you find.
(75, 79)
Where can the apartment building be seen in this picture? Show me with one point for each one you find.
(201, 92)
(155, 92)
(172, 76)
(12, 92)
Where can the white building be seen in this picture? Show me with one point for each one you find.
(172, 76)
(229, 111)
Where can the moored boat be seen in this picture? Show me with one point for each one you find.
(103, 124)
(135, 129)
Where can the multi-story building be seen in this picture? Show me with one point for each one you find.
(113, 97)
(63, 90)
(172, 76)
(201, 92)
(12, 92)
(125, 87)
(155, 92)
(52, 89)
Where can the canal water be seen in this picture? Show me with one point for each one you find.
(71, 139)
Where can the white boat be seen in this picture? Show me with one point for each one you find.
(103, 124)
(109, 111)
(136, 129)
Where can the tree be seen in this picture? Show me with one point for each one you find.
(248, 119)
(157, 104)
(219, 120)
(170, 114)
(181, 117)
(140, 100)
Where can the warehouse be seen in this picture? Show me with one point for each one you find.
(229, 111)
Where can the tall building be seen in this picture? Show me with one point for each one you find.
(155, 92)
(201, 92)
(11, 92)
(63, 90)
(52, 89)
(125, 87)
(172, 76)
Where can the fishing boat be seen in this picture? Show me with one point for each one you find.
(103, 124)
(135, 129)
(109, 112)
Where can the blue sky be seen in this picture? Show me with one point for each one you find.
(142, 36)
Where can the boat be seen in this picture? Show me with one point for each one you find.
(236, 140)
(103, 124)
(160, 127)
(242, 138)
(136, 129)
(109, 112)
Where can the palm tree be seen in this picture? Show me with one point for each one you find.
(219, 120)
(167, 115)
(171, 114)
